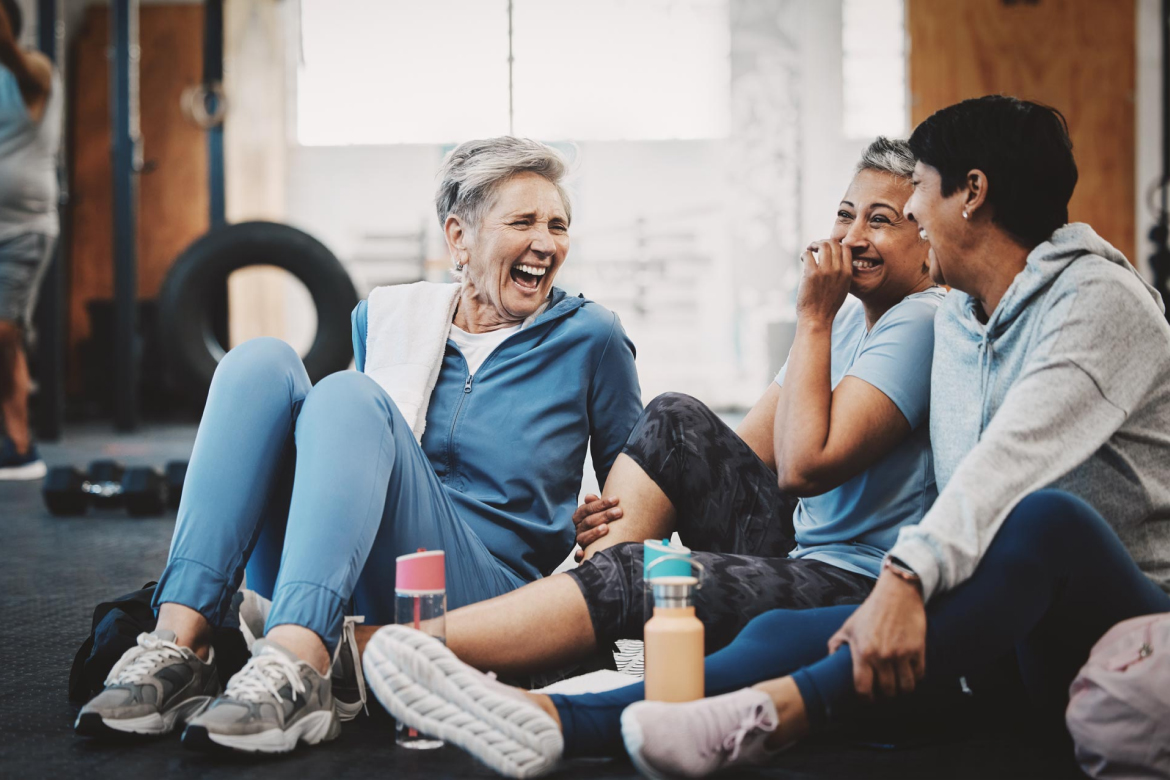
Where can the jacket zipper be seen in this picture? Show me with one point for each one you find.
(467, 390)
(454, 420)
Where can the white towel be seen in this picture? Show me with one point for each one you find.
(407, 326)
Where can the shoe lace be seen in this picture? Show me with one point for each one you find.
(349, 639)
(754, 720)
(264, 674)
(138, 662)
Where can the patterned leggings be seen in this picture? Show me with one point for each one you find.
(731, 513)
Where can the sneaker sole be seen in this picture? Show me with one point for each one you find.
(633, 739)
(314, 728)
(417, 679)
(93, 724)
(35, 470)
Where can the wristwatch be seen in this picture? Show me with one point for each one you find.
(903, 572)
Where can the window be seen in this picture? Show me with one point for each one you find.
(873, 45)
(390, 71)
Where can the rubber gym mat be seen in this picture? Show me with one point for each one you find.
(53, 571)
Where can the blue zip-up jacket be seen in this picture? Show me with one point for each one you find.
(509, 443)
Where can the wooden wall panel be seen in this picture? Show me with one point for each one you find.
(1076, 55)
(173, 194)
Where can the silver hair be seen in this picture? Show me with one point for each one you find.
(474, 169)
(887, 155)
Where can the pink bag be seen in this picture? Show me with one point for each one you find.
(1119, 705)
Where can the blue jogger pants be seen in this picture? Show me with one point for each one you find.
(1053, 581)
(314, 491)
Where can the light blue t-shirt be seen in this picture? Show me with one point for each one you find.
(853, 525)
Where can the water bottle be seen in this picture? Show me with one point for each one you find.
(674, 641)
(420, 590)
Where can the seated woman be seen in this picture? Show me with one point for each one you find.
(1052, 368)
(843, 426)
(314, 491)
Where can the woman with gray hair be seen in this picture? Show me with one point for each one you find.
(315, 491)
(842, 429)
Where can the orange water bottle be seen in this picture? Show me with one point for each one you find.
(674, 642)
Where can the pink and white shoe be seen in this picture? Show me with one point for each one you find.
(699, 738)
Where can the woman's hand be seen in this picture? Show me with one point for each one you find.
(887, 639)
(824, 284)
(592, 520)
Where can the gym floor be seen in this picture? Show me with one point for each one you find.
(54, 571)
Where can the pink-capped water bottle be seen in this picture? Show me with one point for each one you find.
(420, 587)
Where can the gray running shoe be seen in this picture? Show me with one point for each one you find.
(152, 687)
(349, 684)
(275, 701)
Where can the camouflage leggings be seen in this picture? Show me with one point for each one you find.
(732, 515)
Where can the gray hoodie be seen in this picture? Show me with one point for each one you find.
(1066, 386)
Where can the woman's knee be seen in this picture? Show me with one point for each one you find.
(672, 405)
(347, 394)
(1053, 519)
(668, 414)
(260, 358)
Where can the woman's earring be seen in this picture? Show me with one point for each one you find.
(965, 215)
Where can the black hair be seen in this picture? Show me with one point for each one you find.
(15, 17)
(1022, 147)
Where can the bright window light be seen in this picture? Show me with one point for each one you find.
(622, 69)
(873, 43)
(390, 71)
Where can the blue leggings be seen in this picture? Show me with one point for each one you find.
(316, 491)
(1053, 581)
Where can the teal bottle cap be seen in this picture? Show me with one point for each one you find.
(679, 566)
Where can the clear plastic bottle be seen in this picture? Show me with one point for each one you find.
(421, 602)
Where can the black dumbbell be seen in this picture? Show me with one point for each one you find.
(69, 491)
(176, 474)
(144, 491)
(65, 491)
(105, 483)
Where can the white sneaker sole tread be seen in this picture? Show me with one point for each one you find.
(422, 684)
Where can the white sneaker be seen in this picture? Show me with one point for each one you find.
(424, 686)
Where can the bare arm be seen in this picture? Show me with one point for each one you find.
(756, 429)
(823, 437)
(33, 71)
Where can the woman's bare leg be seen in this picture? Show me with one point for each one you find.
(646, 511)
(790, 712)
(191, 628)
(544, 625)
(303, 643)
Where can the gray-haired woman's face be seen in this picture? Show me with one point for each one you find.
(519, 245)
(887, 254)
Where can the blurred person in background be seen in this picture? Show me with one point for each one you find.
(31, 102)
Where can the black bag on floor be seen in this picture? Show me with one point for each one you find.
(116, 626)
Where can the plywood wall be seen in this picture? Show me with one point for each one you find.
(1077, 55)
(173, 193)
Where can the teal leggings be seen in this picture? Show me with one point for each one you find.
(1053, 581)
(315, 491)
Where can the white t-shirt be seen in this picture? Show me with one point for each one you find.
(477, 346)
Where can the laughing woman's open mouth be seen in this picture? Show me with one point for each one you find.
(527, 277)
